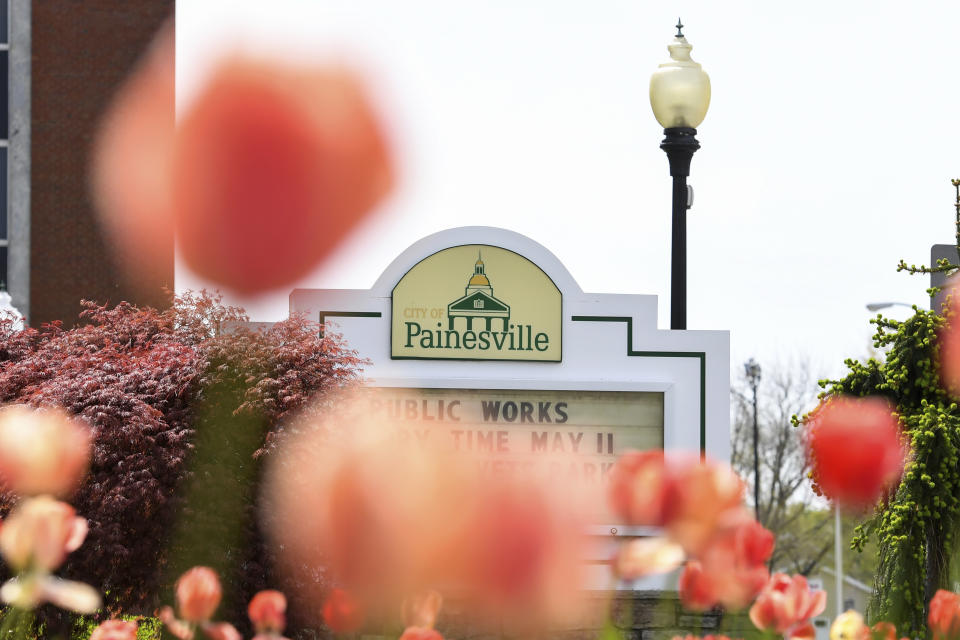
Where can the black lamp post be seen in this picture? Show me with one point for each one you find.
(752, 369)
(680, 96)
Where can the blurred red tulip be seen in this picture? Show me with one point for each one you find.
(341, 612)
(522, 551)
(735, 559)
(731, 568)
(198, 594)
(266, 611)
(803, 632)
(512, 540)
(42, 451)
(701, 495)
(390, 518)
(266, 171)
(854, 475)
(752, 541)
(421, 610)
(420, 633)
(786, 605)
(883, 631)
(387, 519)
(639, 482)
(273, 167)
(681, 493)
(944, 615)
(698, 592)
(115, 630)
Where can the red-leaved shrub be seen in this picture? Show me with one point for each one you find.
(176, 400)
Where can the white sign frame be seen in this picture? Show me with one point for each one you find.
(610, 342)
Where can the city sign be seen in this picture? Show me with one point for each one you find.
(480, 341)
(446, 307)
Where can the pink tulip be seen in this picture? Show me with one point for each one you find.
(883, 631)
(698, 592)
(42, 451)
(266, 611)
(701, 496)
(732, 566)
(686, 496)
(944, 616)
(39, 534)
(786, 604)
(858, 475)
(639, 483)
(803, 632)
(341, 612)
(34, 540)
(198, 594)
(391, 518)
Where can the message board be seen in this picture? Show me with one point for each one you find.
(573, 435)
(546, 378)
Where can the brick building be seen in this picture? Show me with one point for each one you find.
(62, 61)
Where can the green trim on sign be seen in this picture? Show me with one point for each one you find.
(347, 314)
(701, 355)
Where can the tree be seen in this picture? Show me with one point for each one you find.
(784, 498)
(177, 403)
(802, 523)
(915, 525)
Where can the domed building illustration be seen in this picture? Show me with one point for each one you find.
(478, 301)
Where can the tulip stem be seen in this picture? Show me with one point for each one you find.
(838, 557)
(16, 624)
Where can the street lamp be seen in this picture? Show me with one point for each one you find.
(752, 369)
(679, 95)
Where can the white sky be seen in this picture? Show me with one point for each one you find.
(826, 153)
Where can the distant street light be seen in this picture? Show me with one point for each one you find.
(876, 306)
(679, 96)
(752, 368)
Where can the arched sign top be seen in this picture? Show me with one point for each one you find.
(517, 243)
(476, 302)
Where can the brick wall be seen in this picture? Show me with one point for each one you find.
(81, 51)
